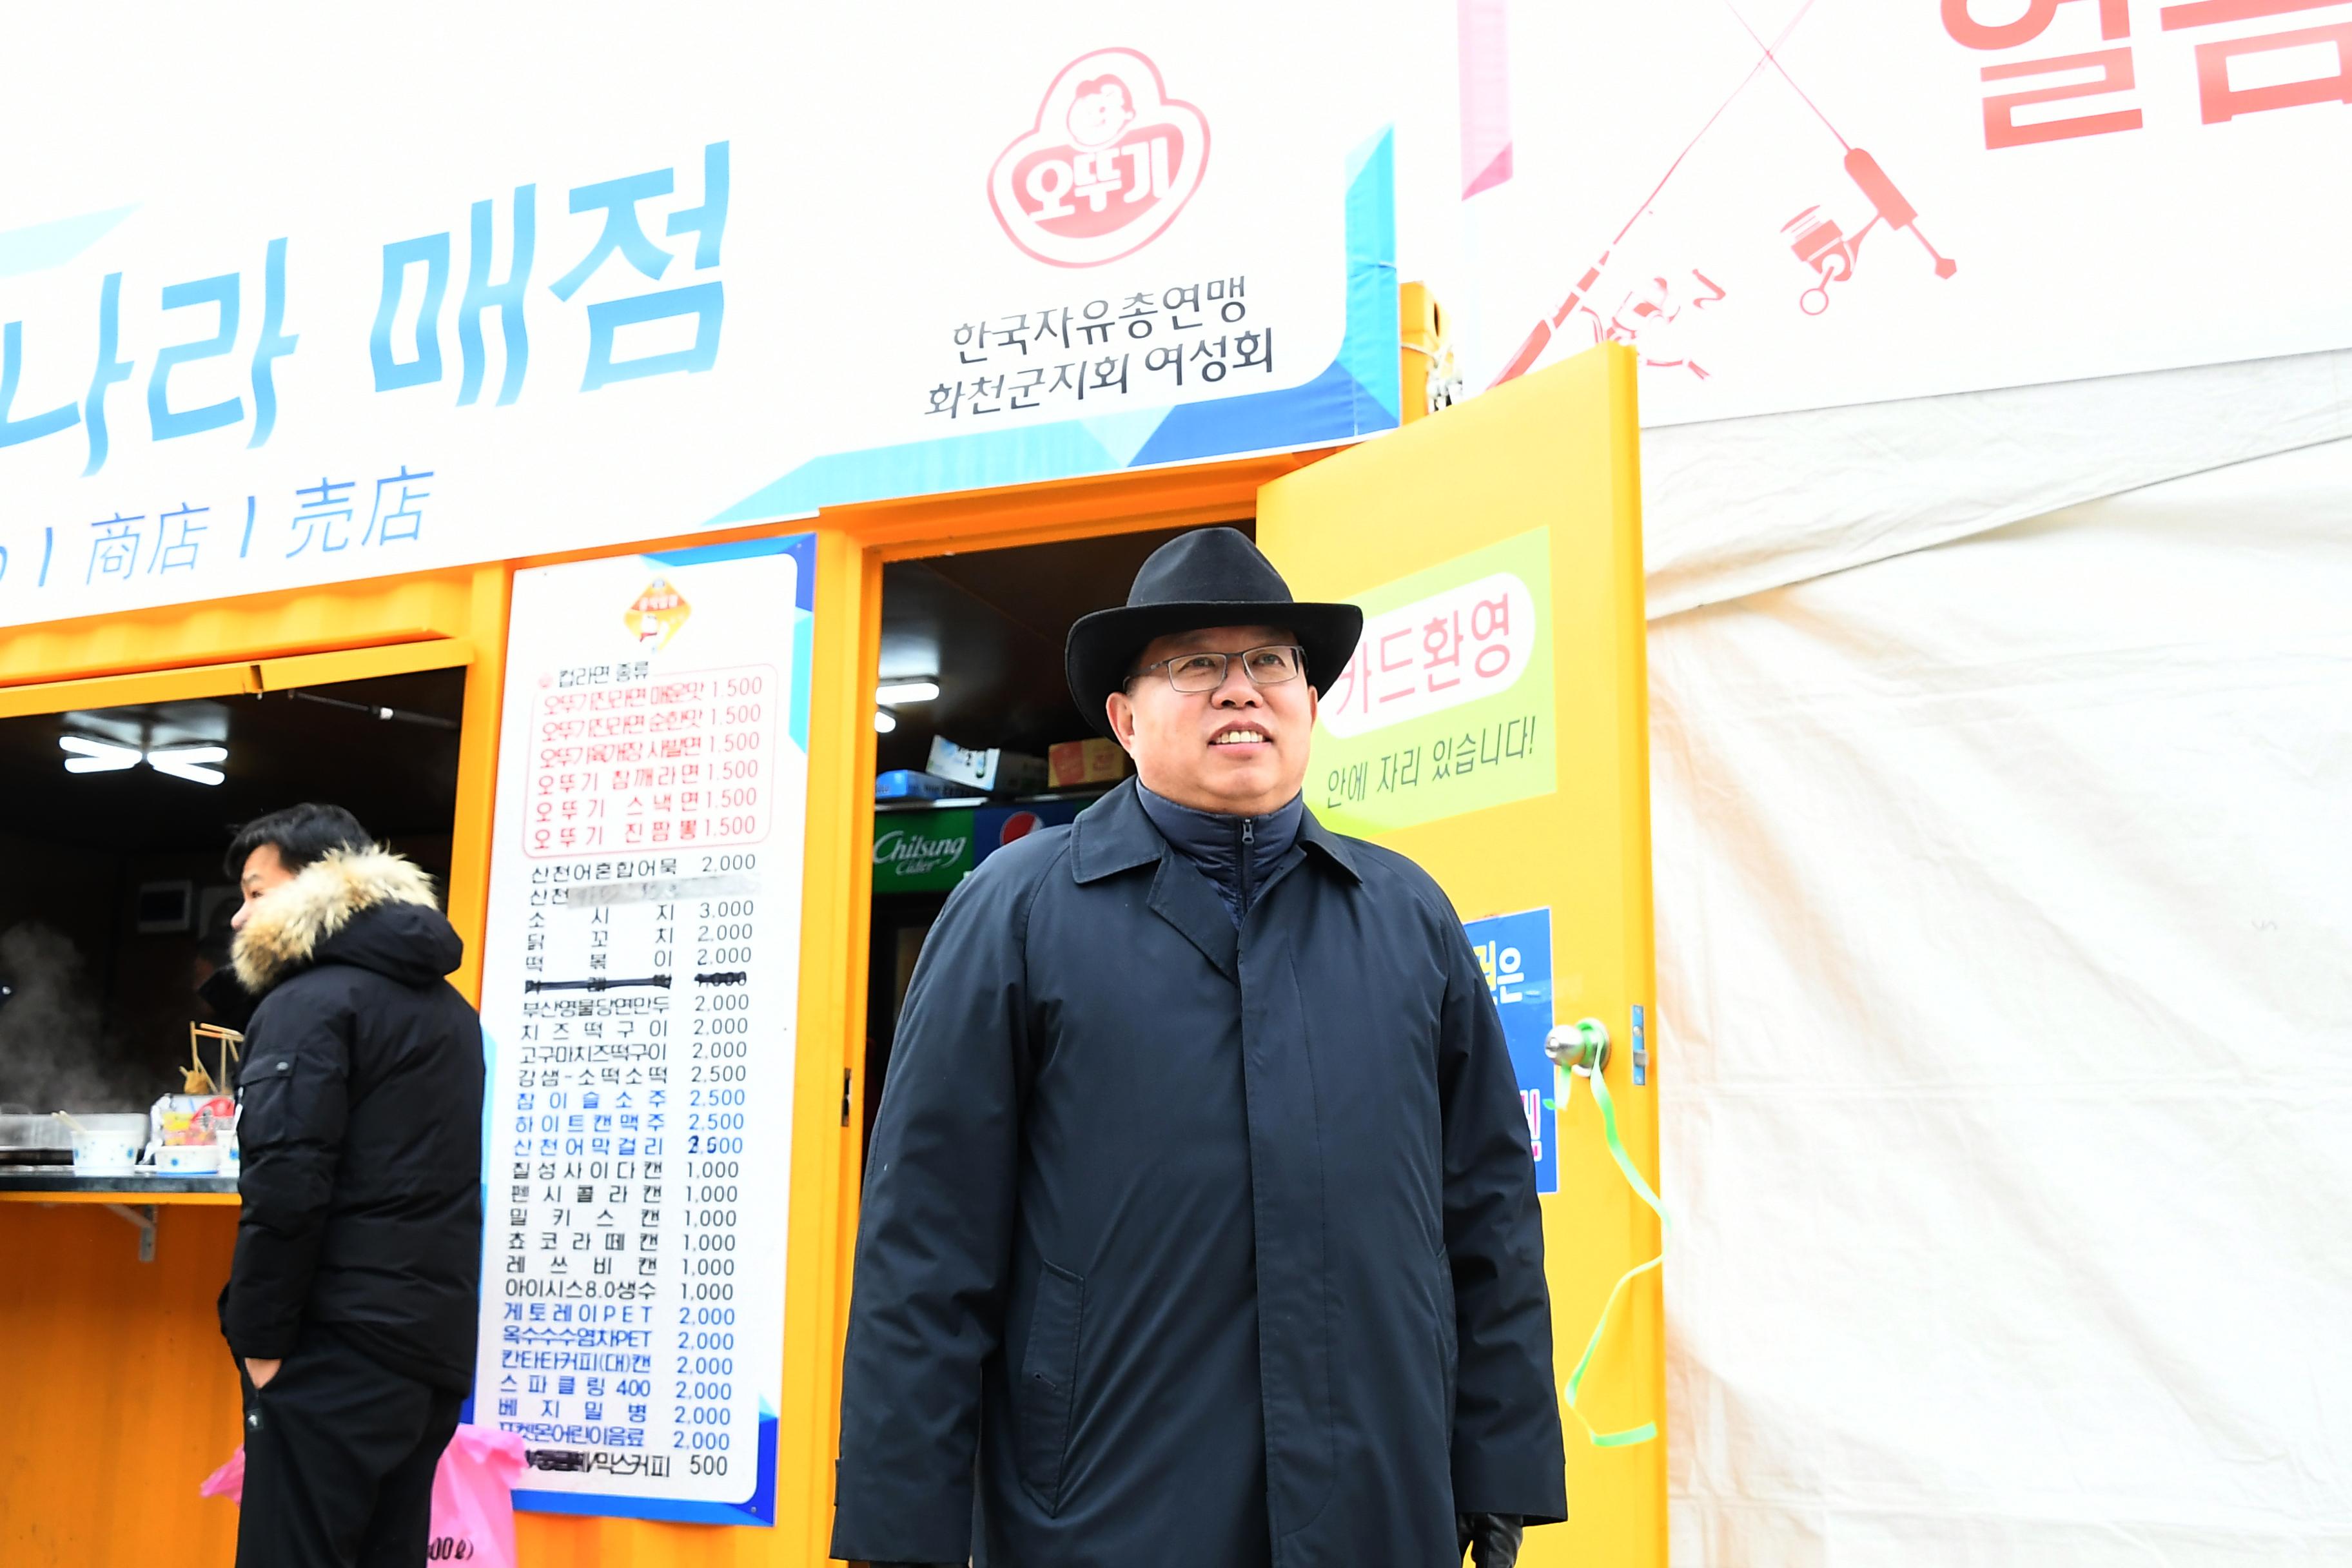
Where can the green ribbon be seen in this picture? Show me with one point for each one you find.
(1648, 1429)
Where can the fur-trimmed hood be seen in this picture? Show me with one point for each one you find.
(311, 921)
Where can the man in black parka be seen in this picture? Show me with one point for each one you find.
(350, 1304)
(1200, 1227)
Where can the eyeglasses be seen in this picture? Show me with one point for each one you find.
(1269, 665)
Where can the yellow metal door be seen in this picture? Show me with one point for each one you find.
(1494, 727)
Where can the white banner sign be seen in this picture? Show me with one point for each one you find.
(640, 980)
(323, 295)
(1795, 203)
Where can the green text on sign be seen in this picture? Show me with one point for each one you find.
(921, 851)
(1447, 706)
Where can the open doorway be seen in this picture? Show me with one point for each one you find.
(117, 906)
(986, 629)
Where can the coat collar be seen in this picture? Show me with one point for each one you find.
(1340, 852)
(1113, 834)
(287, 926)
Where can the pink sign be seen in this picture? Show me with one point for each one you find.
(624, 760)
(1452, 648)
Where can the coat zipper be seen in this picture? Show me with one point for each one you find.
(1249, 837)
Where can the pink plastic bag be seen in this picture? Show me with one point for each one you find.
(473, 1497)
(228, 1481)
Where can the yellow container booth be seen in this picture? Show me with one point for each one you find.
(126, 1395)
(1522, 503)
(568, 496)
(661, 525)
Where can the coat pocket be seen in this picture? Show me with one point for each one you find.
(1049, 1376)
(264, 1094)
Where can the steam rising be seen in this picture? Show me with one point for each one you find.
(53, 1046)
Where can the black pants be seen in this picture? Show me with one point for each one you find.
(339, 1459)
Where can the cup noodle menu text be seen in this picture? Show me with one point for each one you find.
(624, 759)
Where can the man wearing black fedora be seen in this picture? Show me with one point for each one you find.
(1199, 1228)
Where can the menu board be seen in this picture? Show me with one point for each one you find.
(640, 984)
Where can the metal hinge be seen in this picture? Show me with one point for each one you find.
(845, 1096)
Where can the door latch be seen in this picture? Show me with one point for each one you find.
(1583, 1044)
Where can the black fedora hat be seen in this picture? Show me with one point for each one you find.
(1208, 577)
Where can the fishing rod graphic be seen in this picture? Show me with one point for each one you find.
(1817, 240)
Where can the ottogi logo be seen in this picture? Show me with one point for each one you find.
(1106, 167)
(657, 614)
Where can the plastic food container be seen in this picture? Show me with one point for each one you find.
(180, 1119)
(188, 1159)
(108, 1145)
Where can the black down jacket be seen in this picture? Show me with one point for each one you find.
(362, 1130)
(1190, 1247)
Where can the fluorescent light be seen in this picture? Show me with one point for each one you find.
(97, 756)
(885, 721)
(898, 691)
(186, 763)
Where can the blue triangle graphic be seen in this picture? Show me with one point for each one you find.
(1123, 434)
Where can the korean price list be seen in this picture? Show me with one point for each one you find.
(632, 1181)
(642, 761)
(639, 990)
(625, 1236)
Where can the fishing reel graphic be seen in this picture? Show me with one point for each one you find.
(1818, 241)
(1821, 244)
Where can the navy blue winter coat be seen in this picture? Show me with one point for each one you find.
(1193, 1247)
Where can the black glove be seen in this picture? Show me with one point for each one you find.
(1495, 1536)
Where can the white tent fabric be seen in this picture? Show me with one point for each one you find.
(1740, 505)
(2004, 894)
